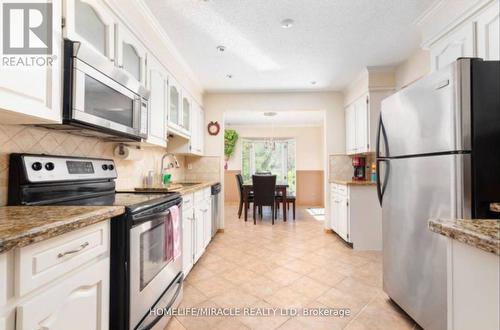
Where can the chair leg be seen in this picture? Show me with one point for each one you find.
(272, 215)
(253, 213)
(260, 211)
(240, 209)
(293, 210)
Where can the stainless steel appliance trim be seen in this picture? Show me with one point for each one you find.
(142, 300)
(60, 171)
(86, 54)
(82, 69)
(463, 104)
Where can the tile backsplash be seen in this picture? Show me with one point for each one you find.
(27, 139)
(341, 166)
(203, 168)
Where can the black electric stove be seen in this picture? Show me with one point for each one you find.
(144, 272)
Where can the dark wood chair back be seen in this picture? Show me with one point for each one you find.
(239, 178)
(264, 187)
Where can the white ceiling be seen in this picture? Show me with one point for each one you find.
(281, 119)
(330, 42)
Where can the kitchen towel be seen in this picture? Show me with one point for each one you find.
(169, 240)
(176, 224)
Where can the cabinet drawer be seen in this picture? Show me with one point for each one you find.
(40, 263)
(187, 201)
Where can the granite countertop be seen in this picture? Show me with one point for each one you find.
(353, 182)
(24, 225)
(482, 234)
(495, 207)
(177, 187)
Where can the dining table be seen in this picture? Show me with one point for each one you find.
(280, 189)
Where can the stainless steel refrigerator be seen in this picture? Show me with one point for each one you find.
(438, 155)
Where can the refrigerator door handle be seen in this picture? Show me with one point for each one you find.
(381, 187)
(381, 131)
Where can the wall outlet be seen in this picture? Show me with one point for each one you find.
(190, 166)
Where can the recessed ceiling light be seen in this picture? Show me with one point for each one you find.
(229, 76)
(270, 114)
(287, 23)
(221, 48)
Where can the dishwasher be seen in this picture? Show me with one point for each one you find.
(216, 205)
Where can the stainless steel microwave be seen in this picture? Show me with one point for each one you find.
(100, 99)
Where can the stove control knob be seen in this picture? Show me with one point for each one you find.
(36, 166)
(111, 167)
(49, 166)
(104, 167)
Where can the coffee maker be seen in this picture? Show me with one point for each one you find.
(359, 168)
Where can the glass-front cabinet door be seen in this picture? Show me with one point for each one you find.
(131, 54)
(186, 113)
(174, 104)
(92, 23)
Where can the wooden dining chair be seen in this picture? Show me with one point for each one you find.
(264, 189)
(290, 199)
(239, 179)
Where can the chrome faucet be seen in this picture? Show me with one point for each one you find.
(170, 165)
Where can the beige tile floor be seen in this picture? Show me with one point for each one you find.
(288, 265)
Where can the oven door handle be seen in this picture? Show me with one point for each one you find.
(148, 216)
(147, 326)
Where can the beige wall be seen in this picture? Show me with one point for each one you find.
(309, 144)
(374, 78)
(332, 103)
(414, 68)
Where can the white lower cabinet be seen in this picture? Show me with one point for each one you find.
(187, 239)
(473, 287)
(199, 233)
(197, 226)
(79, 302)
(356, 215)
(207, 221)
(60, 283)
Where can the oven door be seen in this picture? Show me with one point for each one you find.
(152, 264)
(104, 103)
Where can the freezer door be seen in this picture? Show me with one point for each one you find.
(431, 115)
(414, 258)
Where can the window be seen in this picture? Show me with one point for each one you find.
(257, 156)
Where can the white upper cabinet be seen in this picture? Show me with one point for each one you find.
(350, 124)
(477, 36)
(91, 22)
(174, 104)
(362, 117)
(158, 87)
(131, 54)
(362, 130)
(488, 37)
(186, 112)
(32, 94)
(458, 44)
